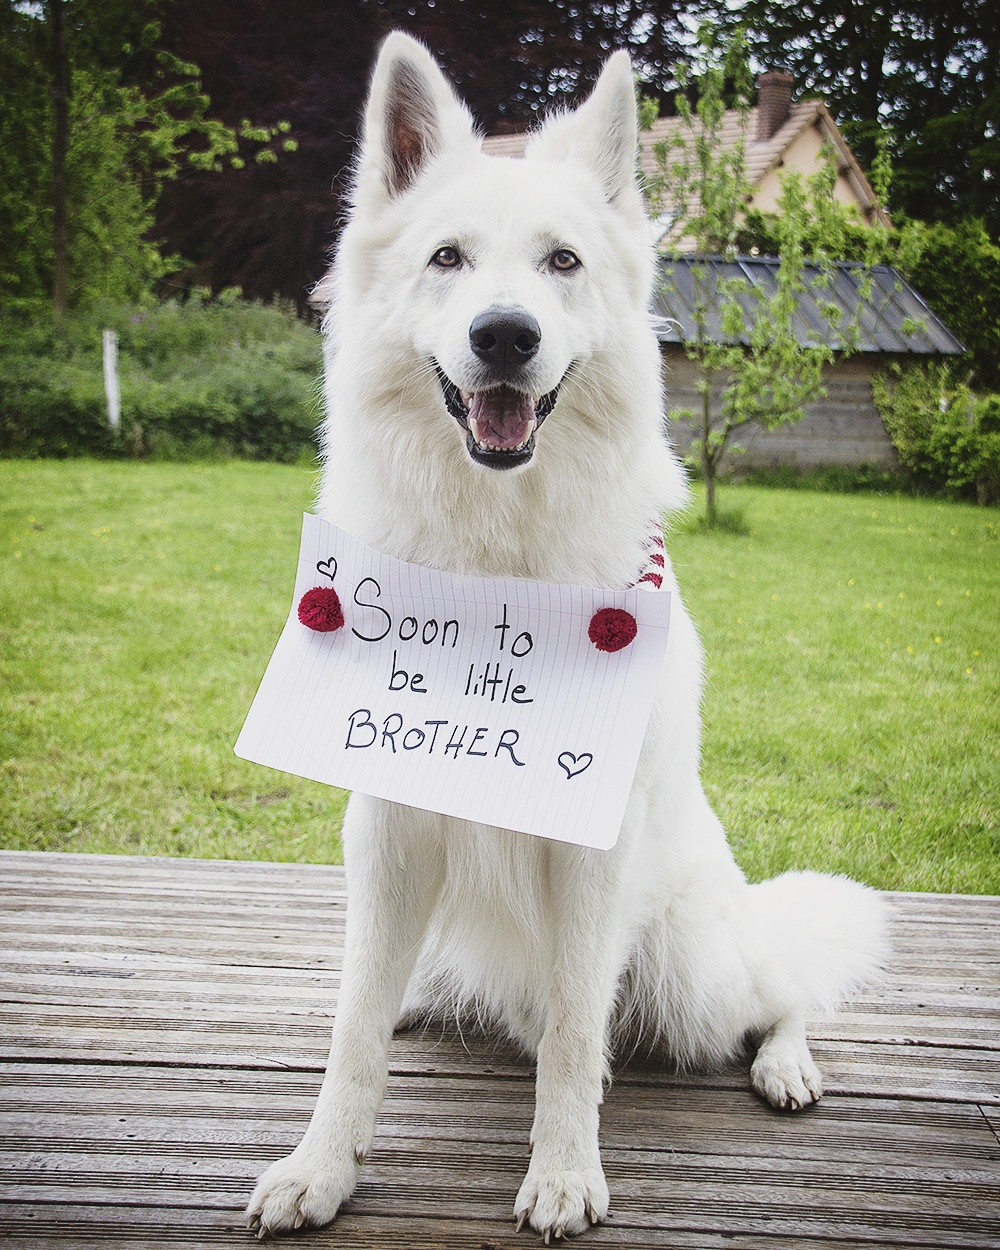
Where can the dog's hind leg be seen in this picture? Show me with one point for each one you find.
(394, 868)
(565, 1190)
(783, 1071)
(820, 937)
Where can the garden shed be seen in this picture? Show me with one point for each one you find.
(843, 427)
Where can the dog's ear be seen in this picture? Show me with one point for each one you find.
(602, 134)
(412, 117)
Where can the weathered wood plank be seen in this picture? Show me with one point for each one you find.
(165, 1023)
(68, 1227)
(52, 1032)
(40, 870)
(175, 1162)
(155, 1110)
(664, 1189)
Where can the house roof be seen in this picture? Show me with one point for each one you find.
(891, 318)
(762, 156)
(506, 145)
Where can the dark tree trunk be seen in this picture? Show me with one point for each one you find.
(60, 142)
(708, 458)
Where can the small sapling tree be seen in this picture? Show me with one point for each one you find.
(753, 366)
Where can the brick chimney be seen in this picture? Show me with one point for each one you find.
(773, 103)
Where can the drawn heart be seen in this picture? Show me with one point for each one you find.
(573, 765)
(327, 568)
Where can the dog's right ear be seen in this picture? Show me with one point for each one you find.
(602, 135)
(412, 117)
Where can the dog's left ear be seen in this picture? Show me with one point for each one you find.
(602, 134)
(412, 117)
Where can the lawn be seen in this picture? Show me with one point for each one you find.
(138, 607)
(851, 708)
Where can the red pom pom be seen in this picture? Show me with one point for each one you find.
(611, 629)
(320, 609)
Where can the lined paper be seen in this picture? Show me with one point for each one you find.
(478, 697)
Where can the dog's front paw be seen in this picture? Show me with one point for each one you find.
(302, 1190)
(561, 1204)
(784, 1074)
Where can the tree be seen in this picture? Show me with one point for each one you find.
(927, 72)
(271, 230)
(60, 146)
(512, 62)
(268, 229)
(25, 142)
(101, 120)
(753, 369)
(958, 273)
(754, 373)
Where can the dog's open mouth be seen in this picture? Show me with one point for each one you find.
(500, 423)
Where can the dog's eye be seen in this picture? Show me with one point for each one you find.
(447, 258)
(564, 260)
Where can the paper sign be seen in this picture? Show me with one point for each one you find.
(481, 698)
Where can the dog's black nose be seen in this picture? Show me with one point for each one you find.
(505, 338)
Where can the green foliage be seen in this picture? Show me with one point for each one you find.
(109, 215)
(925, 71)
(834, 231)
(702, 186)
(138, 116)
(25, 176)
(946, 436)
(222, 377)
(958, 273)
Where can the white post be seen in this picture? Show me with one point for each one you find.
(111, 379)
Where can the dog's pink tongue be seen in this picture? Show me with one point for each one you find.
(501, 420)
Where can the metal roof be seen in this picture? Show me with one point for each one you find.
(893, 318)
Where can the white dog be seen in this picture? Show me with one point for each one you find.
(494, 406)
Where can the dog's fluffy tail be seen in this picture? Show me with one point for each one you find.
(727, 960)
(821, 937)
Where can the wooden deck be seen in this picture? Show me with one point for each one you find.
(165, 1023)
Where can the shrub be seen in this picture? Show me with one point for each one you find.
(944, 434)
(199, 378)
(958, 273)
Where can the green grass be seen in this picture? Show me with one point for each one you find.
(852, 719)
(138, 607)
(851, 708)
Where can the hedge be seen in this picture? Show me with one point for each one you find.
(202, 377)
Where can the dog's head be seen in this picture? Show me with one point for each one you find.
(496, 280)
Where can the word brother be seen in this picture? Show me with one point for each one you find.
(493, 682)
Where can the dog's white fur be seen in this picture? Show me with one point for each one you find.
(569, 950)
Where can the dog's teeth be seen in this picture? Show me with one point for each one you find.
(488, 444)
